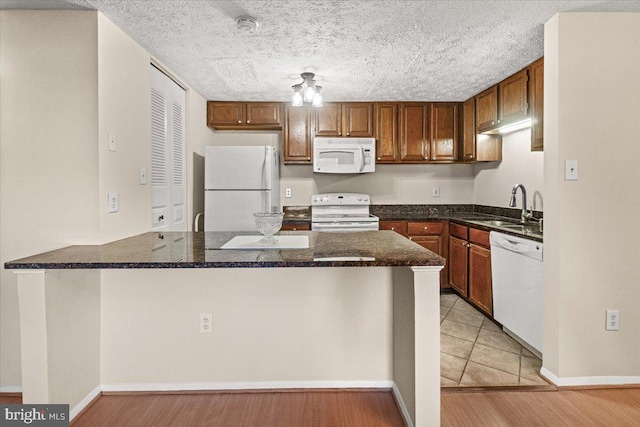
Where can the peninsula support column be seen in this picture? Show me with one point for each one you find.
(416, 343)
(60, 336)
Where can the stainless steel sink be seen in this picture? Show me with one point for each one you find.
(500, 223)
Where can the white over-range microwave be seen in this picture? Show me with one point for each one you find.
(344, 155)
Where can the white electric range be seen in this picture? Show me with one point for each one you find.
(342, 212)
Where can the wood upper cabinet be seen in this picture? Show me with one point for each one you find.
(536, 104)
(297, 135)
(487, 109)
(458, 264)
(386, 132)
(512, 98)
(357, 119)
(354, 119)
(327, 120)
(469, 130)
(244, 115)
(414, 131)
(444, 131)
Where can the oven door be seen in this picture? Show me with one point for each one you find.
(344, 227)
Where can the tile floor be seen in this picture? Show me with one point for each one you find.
(475, 352)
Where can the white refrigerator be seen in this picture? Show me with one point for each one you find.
(238, 181)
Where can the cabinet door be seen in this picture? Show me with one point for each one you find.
(328, 120)
(435, 244)
(487, 109)
(296, 135)
(357, 119)
(386, 132)
(414, 132)
(512, 101)
(444, 131)
(536, 103)
(480, 288)
(469, 130)
(225, 113)
(263, 113)
(399, 227)
(458, 264)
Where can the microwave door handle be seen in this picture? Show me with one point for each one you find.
(361, 158)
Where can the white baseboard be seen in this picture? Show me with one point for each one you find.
(586, 381)
(10, 389)
(84, 402)
(261, 385)
(403, 407)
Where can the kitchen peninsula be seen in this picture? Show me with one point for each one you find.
(353, 310)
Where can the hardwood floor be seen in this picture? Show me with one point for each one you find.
(308, 408)
(579, 408)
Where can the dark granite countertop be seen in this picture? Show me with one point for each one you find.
(468, 215)
(202, 250)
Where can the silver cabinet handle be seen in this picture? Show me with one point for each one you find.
(240, 121)
(248, 121)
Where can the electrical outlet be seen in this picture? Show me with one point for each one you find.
(436, 191)
(287, 192)
(206, 323)
(113, 203)
(613, 320)
(113, 146)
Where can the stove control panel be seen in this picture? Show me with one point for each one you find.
(337, 199)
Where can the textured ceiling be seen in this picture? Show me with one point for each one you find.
(359, 50)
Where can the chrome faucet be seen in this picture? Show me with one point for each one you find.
(526, 214)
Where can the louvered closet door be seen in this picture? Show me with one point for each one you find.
(168, 175)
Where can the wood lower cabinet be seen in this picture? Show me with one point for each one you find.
(297, 135)
(458, 264)
(432, 235)
(399, 227)
(470, 265)
(295, 227)
(536, 104)
(244, 115)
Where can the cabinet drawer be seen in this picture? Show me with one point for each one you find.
(459, 231)
(295, 227)
(479, 237)
(397, 226)
(424, 228)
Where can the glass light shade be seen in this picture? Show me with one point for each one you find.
(296, 101)
(317, 98)
(309, 92)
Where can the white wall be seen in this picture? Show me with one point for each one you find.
(592, 106)
(49, 148)
(295, 324)
(69, 78)
(495, 180)
(124, 99)
(389, 184)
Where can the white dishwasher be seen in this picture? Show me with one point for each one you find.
(516, 272)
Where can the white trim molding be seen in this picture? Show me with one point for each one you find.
(586, 381)
(403, 407)
(10, 389)
(84, 402)
(261, 385)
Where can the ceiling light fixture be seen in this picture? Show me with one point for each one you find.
(307, 91)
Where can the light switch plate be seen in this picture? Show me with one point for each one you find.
(436, 191)
(142, 176)
(570, 170)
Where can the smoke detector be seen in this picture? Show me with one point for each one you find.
(247, 24)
